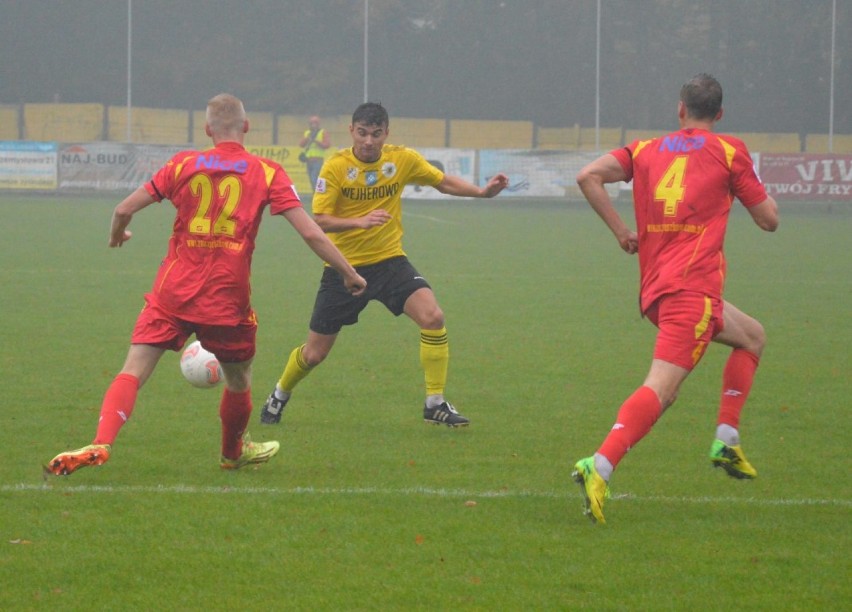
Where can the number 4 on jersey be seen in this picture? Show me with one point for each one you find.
(670, 188)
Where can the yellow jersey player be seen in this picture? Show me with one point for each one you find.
(358, 202)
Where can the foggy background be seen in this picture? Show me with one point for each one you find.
(532, 60)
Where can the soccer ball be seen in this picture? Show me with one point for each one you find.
(200, 367)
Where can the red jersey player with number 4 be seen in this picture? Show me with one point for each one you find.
(202, 286)
(684, 185)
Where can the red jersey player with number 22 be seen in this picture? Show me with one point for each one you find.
(202, 286)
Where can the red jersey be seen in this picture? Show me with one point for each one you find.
(683, 187)
(219, 195)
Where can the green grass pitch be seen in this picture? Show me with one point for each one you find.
(368, 508)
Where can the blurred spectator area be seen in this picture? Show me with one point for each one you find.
(95, 122)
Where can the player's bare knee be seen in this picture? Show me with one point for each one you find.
(435, 322)
(237, 377)
(319, 359)
(433, 319)
(313, 357)
(756, 338)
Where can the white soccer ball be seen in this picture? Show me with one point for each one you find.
(200, 367)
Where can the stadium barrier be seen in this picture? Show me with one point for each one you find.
(578, 138)
(9, 122)
(478, 134)
(147, 125)
(85, 167)
(818, 143)
(64, 122)
(771, 143)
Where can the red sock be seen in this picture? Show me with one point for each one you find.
(234, 411)
(736, 384)
(635, 418)
(119, 400)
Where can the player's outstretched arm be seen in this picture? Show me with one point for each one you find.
(591, 180)
(765, 214)
(454, 185)
(319, 243)
(123, 213)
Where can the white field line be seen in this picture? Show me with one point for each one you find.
(181, 489)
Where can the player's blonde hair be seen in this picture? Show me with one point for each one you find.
(225, 114)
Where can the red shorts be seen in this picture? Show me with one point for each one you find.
(230, 343)
(687, 322)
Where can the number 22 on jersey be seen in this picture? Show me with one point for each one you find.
(229, 189)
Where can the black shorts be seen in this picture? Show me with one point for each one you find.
(391, 282)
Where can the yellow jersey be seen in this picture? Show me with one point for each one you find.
(349, 188)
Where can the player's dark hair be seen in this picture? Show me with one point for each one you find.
(702, 96)
(371, 113)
